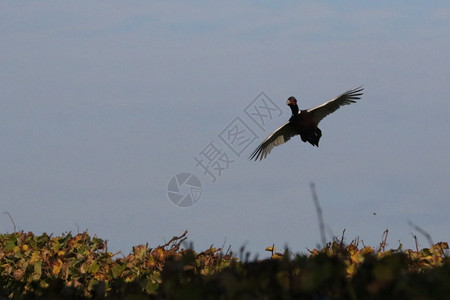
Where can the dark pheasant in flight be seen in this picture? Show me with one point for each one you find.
(304, 123)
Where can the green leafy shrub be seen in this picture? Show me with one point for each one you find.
(80, 267)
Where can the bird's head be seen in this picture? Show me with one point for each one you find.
(291, 101)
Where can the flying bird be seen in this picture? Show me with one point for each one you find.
(304, 123)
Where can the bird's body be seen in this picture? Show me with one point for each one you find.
(304, 123)
(306, 126)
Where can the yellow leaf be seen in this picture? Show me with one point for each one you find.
(158, 253)
(444, 245)
(75, 240)
(351, 270)
(271, 249)
(357, 258)
(35, 256)
(100, 276)
(57, 267)
(277, 255)
(366, 250)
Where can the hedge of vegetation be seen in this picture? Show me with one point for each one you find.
(81, 267)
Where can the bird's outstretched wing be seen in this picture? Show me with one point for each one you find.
(349, 97)
(278, 137)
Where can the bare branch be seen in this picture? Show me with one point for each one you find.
(319, 214)
(10, 217)
(423, 232)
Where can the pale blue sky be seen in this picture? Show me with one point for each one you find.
(101, 103)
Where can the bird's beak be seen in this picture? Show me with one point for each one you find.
(288, 102)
